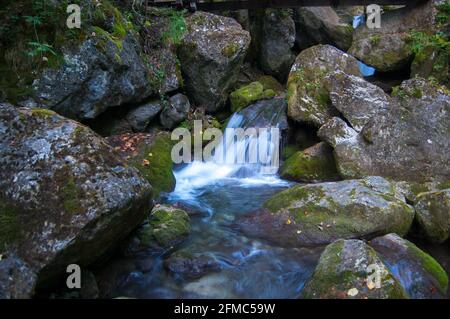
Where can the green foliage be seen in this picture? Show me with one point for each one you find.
(176, 28)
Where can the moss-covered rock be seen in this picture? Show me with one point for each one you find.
(433, 215)
(166, 227)
(307, 92)
(151, 155)
(315, 164)
(248, 94)
(406, 141)
(65, 195)
(211, 54)
(345, 271)
(418, 272)
(389, 48)
(321, 213)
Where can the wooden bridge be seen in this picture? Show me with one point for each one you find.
(211, 5)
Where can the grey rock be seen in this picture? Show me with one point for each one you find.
(343, 270)
(388, 48)
(94, 76)
(433, 215)
(308, 95)
(66, 197)
(315, 214)
(356, 99)
(176, 111)
(211, 54)
(276, 38)
(140, 117)
(17, 280)
(421, 276)
(408, 141)
(322, 25)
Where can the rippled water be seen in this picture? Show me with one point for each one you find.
(249, 268)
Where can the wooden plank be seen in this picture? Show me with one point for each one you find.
(207, 5)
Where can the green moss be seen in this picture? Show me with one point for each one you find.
(70, 196)
(158, 171)
(230, 50)
(166, 227)
(10, 231)
(303, 167)
(375, 39)
(431, 266)
(248, 94)
(42, 112)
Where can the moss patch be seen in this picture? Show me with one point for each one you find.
(431, 266)
(10, 231)
(248, 94)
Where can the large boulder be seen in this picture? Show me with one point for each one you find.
(322, 25)
(344, 272)
(406, 141)
(273, 36)
(356, 99)
(388, 48)
(314, 164)
(150, 153)
(65, 196)
(101, 69)
(419, 274)
(308, 96)
(433, 214)
(211, 53)
(316, 214)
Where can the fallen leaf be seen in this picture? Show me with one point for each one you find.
(145, 162)
(370, 284)
(288, 222)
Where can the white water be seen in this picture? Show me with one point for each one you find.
(364, 69)
(196, 176)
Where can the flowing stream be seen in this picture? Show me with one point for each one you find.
(248, 268)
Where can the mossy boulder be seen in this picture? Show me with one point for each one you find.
(211, 53)
(315, 164)
(388, 48)
(314, 214)
(344, 272)
(307, 92)
(406, 141)
(150, 153)
(248, 94)
(65, 195)
(419, 273)
(433, 215)
(166, 227)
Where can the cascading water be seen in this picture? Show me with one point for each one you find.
(248, 161)
(218, 192)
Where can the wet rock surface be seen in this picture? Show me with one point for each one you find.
(419, 274)
(315, 214)
(343, 272)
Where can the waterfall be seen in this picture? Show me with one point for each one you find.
(250, 159)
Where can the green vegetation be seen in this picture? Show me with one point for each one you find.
(166, 226)
(248, 94)
(9, 226)
(431, 266)
(69, 196)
